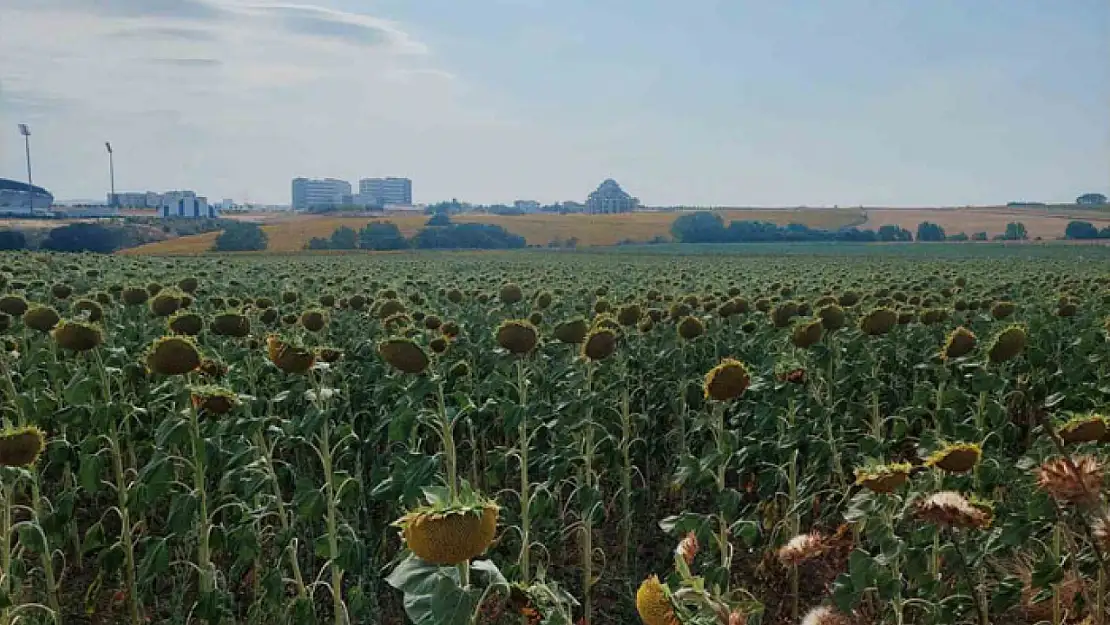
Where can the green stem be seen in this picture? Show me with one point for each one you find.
(332, 520)
(626, 481)
(587, 517)
(267, 458)
(5, 548)
(46, 557)
(204, 562)
(525, 482)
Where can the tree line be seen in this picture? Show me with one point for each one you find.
(438, 233)
(709, 227)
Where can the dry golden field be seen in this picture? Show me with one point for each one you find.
(291, 234)
(1047, 224)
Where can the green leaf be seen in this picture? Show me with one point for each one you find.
(89, 473)
(155, 561)
(432, 595)
(94, 539)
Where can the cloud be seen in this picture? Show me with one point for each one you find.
(352, 28)
(198, 63)
(179, 9)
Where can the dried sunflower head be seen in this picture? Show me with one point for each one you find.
(1079, 486)
(825, 615)
(951, 509)
(801, 548)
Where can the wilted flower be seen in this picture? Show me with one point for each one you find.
(801, 548)
(1079, 486)
(287, 357)
(688, 548)
(825, 616)
(951, 509)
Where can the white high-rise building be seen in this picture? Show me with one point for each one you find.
(186, 204)
(387, 190)
(317, 193)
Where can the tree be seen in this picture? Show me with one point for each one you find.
(959, 236)
(12, 240)
(241, 236)
(381, 235)
(83, 237)
(928, 231)
(979, 236)
(1015, 231)
(439, 219)
(318, 243)
(343, 238)
(891, 232)
(699, 227)
(1080, 230)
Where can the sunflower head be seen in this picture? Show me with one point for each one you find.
(690, 328)
(807, 333)
(654, 604)
(629, 315)
(173, 355)
(230, 323)
(801, 548)
(213, 369)
(459, 370)
(89, 309)
(782, 314)
(188, 285)
(1080, 485)
(77, 336)
(960, 343)
(41, 318)
(13, 305)
(878, 322)
(328, 354)
(450, 533)
(438, 344)
(510, 293)
(20, 447)
(1002, 310)
(389, 307)
(1007, 344)
(314, 320)
(134, 296)
(404, 355)
(884, 478)
(214, 400)
(327, 300)
(432, 322)
(1084, 429)
(600, 344)
(187, 323)
(951, 509)
(61, 290)
(450, 329)
(824, 615)
(288, 357)
(832, 316)
(269, 316)
(165, 303)
(517, 336)
(454, 296)
(727, 380)
(543, 300)
(955, 457)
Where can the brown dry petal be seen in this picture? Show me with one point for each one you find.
(1057, 478)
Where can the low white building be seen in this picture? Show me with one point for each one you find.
(186, 204)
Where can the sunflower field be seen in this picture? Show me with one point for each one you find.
(536, 438)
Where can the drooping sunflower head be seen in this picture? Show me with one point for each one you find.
(450, 329)
(955, 457)
(61, 290)
(654, 604)
(1007, 344)
(807, 334)
(884, 478)
(727, 380)
(510, 293)
(404, 355)
(1002, 310)
(629, 315)
(173, 355)
(959, 344)
(41, 318)
(600, 344)
(543, 300)
(20, 447)
(832, 317)
(950, 509)
(450, 534)
(801, 548)
(188, 285)
(314, 320)
(289, 357)
(88, 309)
(1080, 485)
(165, 303)
(518, 337)
(690, 328)
(213, 400)
(230, 323)
(187, 323)
(878, 322)
(13, 305)
(77, 336)
(1084, 429)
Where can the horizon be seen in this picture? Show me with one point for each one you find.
(740, 104)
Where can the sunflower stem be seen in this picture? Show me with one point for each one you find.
(626, 480)
(525, 482)
(5, 547)
(972, 587)
(587, 515)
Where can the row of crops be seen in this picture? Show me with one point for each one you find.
(551, 439)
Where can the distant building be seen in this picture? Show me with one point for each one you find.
(387, 190)
(14, 197)
(527, 206)
(404, 208)
(571, 206)
(186, 204)
(135, 199)
(1089, 199)
(319, 193)
(610, 198)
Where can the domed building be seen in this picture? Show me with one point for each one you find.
(611, 198)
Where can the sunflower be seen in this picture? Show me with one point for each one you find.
(956, 457)
(824, 615)
(783, 313)
(629, 315)
(653, 603)
(230, 323)
(214, 399)
(1001, 310)
(314, 320)
(883, 478)
(510, 293)
(1007, 344)
(452, 534)
(61, 291)
(832, 316)
(173, 355)
(518, 337)
(1084, 429)
(134, 296)
(404, 355)
(165, 304)
(727, 380)
(41, 318)
(690, 328)
(13, 305)
(20, 447)
(288, 357)
(960, 343)
(807, 334)
(801, 548)
(89, 309)
(878, 322)
(1079, 486)
(951, 509)
(600, 344)
(77, 336)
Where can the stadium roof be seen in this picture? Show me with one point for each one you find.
(15, 185)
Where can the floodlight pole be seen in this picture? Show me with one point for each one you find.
(112, 174)
(26, 132)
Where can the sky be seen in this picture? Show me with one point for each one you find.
(694, 103)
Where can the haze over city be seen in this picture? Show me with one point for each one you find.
(703, 103)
